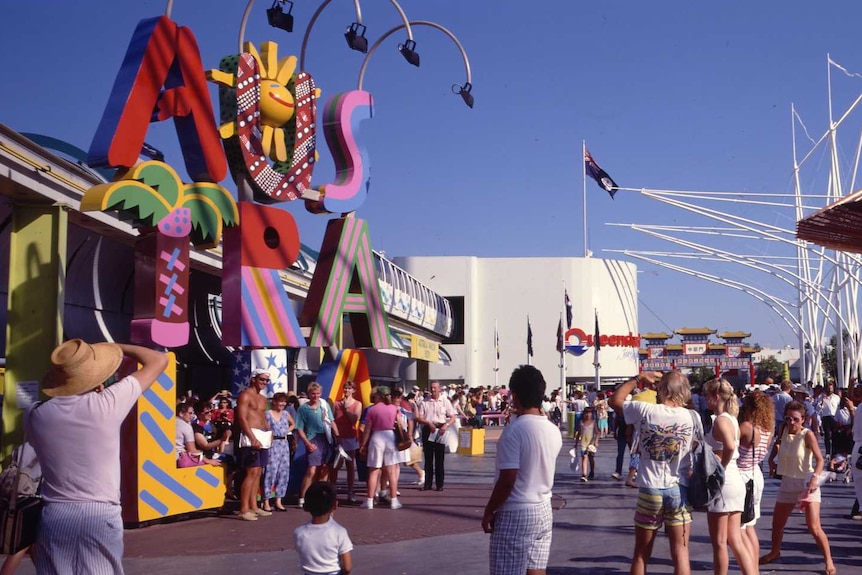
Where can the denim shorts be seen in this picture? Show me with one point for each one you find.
(662, 506)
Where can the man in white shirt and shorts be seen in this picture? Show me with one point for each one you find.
(518, 513)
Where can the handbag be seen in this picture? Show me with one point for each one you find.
(707, 477)
(748, 506)
(20, 514)
(402, 440)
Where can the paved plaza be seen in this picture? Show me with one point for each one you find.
(440, 532)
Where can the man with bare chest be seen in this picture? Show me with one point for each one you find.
(250, 415)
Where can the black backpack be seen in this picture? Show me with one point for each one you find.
(707, 473)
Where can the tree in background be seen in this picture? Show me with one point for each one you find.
(770, 367)
(700, 375)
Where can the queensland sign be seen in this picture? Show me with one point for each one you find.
(578, 341)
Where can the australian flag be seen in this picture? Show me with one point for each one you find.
(529, 339)
(599, 175)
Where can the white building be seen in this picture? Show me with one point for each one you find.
(483, 291)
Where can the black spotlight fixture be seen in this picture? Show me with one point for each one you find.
(356, 38)
(280, 18)
(408, 50)
(465, 93)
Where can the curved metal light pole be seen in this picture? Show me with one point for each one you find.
(406, 24)
(463, 91)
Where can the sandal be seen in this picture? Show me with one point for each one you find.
(769, 558)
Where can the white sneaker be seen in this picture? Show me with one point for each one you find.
(301, 503)
(616, 476)
(395, 504)
(367, 504)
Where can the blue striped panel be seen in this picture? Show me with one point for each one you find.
(153, 502)
(206, 477)
(158, 403)
(165, 381)
(172, 484)
(156, 432)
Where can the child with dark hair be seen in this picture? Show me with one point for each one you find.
(322, 544)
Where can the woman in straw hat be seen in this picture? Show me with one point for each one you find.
(76, 435)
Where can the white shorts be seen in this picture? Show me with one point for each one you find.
(382, 450)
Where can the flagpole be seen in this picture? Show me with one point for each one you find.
(563, 355)
(584, 174)
(596, 364)
(496, 353)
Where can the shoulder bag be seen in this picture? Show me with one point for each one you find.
(748, 506)
(707, 477)
(402, 440)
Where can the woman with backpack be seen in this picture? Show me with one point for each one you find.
(665, 431)
(724, 514)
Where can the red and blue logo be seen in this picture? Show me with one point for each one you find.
(578, 342)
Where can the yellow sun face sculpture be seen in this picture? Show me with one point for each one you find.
(277, 103)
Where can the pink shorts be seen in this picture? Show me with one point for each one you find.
(793, 490)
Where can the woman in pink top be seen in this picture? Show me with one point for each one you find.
(379, 448)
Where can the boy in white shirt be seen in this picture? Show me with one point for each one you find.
(322, 544)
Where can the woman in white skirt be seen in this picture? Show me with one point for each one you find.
(724, 515)
(378, 446)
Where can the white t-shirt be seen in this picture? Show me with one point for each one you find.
(320, 546)
(665, 435)
(185, 434)
(579, 405)
(829, 404)
(529, 444)
(77, 439)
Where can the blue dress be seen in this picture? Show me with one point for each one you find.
(277, 471)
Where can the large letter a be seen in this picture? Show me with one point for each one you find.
(345, 282)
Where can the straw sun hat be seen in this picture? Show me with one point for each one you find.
(77, 367)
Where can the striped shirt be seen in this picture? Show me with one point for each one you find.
(745, 461)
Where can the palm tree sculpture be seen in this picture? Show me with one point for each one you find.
(169, 214)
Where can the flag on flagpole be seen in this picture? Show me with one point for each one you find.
(497, 341)
(568, 310)
(597, 336)
(560, 336)
(599, 175)
(529, 338)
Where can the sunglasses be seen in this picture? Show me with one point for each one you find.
(792, 419)
(264, 379)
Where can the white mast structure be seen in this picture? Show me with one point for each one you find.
(826, 282)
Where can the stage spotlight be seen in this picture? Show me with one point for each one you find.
(356, 38)
(408, 50)
(278, 18)
(465, 92)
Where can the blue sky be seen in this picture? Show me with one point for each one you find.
(668, 95)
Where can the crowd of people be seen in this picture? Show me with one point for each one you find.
(660, 418)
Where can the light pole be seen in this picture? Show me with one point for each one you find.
(465, 91)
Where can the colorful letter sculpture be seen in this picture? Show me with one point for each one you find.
(153, 486)
(160, 55)
(153, 196)
(349, 365)
(342, 115)
(268, 111)
(257, 310)
(345, 281)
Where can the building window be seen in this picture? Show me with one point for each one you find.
(456, 303)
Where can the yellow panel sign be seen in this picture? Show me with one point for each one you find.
(163, 489)
(425, 349)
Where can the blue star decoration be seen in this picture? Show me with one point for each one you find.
(270, 361)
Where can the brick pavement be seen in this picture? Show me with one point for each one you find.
(434, 532)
